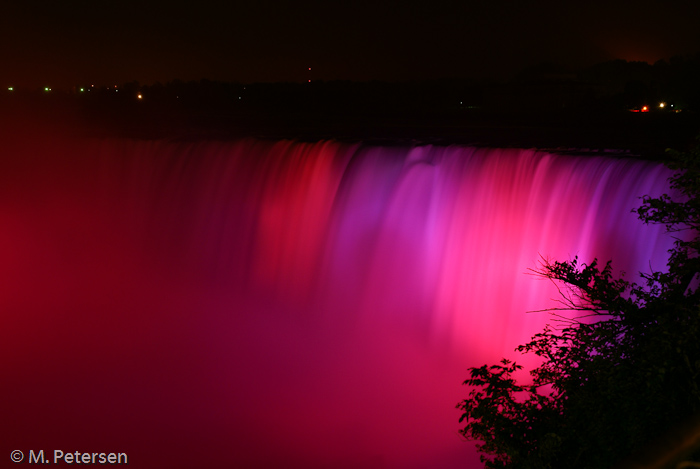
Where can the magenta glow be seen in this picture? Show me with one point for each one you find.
(283, 304)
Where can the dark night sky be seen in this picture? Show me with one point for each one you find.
(71, 42)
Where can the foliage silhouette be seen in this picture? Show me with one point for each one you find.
(620, 364)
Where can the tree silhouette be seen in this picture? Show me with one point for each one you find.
(621, 362)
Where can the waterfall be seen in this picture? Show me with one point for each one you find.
(256, 303)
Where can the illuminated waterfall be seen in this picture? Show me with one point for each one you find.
(252, 303)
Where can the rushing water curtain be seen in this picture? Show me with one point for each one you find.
(196, 295)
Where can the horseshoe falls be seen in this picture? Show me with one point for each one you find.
(262, 303)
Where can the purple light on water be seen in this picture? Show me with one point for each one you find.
(299, 305)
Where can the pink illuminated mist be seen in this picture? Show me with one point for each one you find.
(262, 304)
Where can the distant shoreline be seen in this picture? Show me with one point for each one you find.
(610, 132)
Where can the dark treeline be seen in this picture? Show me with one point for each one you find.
(544, 106)
(614, 85)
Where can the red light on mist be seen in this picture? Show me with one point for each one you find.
(195, 296)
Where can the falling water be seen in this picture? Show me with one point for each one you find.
(253, 303)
